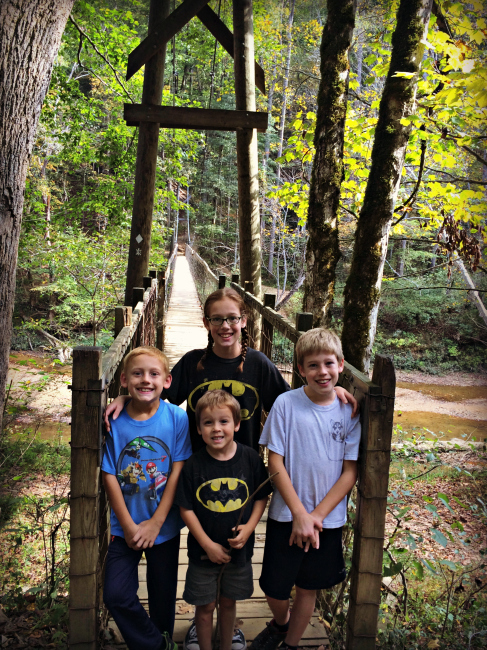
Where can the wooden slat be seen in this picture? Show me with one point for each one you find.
(163, 31)
(225, 37)
(179, 117)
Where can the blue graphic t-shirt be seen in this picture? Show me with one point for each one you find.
(140, 453)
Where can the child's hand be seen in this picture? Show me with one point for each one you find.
(305, 531)
(115, 407)
(217, 553)
(129, 532)
(241, 539)
(146, 534)
(347, 398)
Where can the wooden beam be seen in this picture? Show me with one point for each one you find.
(146, 163)
(225, 37)
(163, 31)
(177, 117)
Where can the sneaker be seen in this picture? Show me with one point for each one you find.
(191, 638)
(168, 643)
(269, 639)
(238, 640)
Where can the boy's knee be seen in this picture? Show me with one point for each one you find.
(227, 603)
(117, 598)
(205, 610)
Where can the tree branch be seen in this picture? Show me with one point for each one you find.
(455, 178)
(82, 33)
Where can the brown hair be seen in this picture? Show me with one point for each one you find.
(151, 352)
(318, 340)
(217, 295)
(214, 399)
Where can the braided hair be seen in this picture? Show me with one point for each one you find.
(226, 292)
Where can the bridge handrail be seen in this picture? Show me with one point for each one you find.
(96, 376)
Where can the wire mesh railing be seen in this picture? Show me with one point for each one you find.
(205, 280)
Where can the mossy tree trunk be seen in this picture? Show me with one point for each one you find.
(362, 290)
(322, 252)
(30, 35)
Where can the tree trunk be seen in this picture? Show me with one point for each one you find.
(285, 84)
(30, 35)
(247, 151)
(322, 251)
(362, 290)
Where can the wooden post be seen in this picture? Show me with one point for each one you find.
(304, 322)
(247, 154)
(88, 402)
(368, 544)
(251, 315)
(147, 281)
(145, 172)
(222, 279)
(235, 278)
(119, 321)
(153, 273)
(267, 327)
(137, 296)
(161, 306)
(123, 318)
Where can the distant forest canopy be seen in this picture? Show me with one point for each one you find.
(78, 200)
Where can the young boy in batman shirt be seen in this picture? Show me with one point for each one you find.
(214, 484)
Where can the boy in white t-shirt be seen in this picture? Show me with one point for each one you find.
(313, 445)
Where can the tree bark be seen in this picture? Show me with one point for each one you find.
(247, 151)
(30, 35)
(285, 84)
(362, 290)
(322, 252)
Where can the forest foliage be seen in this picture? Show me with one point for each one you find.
(78, 201)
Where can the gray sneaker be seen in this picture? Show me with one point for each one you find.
(238, 640)
(191, 639)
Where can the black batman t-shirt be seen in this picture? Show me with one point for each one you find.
(255, 388)
(215, 490)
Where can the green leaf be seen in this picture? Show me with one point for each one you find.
(438, 536)
(451, 565)
(418, 569)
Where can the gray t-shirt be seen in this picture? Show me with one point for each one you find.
(314, 441)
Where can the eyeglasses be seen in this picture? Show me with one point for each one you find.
(231, 320)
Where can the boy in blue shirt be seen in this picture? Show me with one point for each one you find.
(313, 445)
(144, 455)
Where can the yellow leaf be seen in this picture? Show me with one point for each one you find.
(433, 644)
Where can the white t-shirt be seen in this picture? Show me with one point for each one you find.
(314, 441)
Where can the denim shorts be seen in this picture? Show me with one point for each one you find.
(201, 582)
(284, 566)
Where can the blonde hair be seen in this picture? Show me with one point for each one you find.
(216, 399)
(318, 340)
(151, 352)
(217, 295)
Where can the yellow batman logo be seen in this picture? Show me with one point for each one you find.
(237, 389)
(223, 494)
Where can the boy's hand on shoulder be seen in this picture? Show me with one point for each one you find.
(217, 553)
(146, 535)
(347, 398)
(305, 530)
(114, 409)
(241, 539)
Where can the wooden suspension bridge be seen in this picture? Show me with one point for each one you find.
(177, 327)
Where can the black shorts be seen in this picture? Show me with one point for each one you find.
(285, 566)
